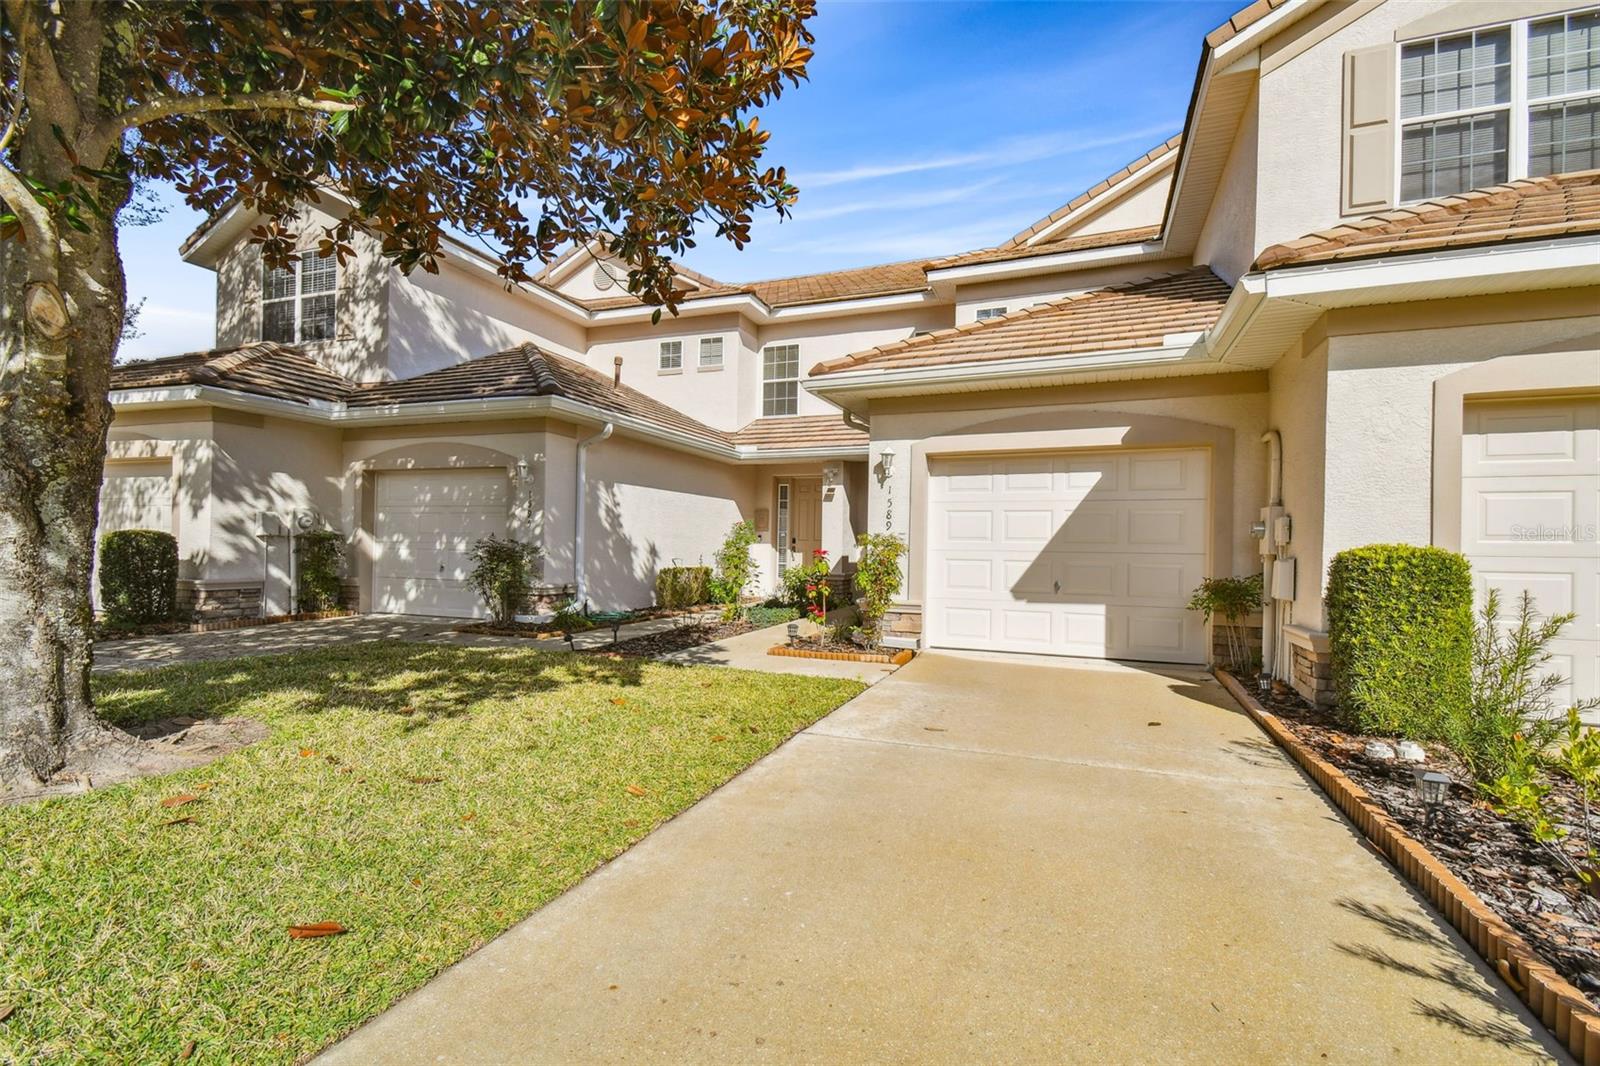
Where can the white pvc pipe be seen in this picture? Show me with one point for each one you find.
(1274, 442)
(580, 589)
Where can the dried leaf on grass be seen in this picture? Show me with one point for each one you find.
(185, 820)
(424, 780)
(178, 801)
(637, 790)
(187, 1053)
(7, 1011)
(619, 701)
(719, 738)
(315, 929)
(306, 753)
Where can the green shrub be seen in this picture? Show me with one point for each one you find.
(770, 616)
(1230, 599)
(794, 582)
(569, 618)
(1400, 631)
(319, 557)
(502, 575)
(680, 587)
(877, 580)
(735, 568)
(139, 576)
(1511, 709)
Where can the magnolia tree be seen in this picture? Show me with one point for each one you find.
(527, 126)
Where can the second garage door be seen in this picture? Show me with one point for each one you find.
(425, 526)
(1086, 553)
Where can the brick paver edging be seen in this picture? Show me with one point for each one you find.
(899, 658)
(270, 620)
(1562, 1008)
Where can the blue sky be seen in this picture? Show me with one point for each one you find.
(925, 129)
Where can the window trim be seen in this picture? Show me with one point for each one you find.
(664, 367)
(298, 298)
(765, 380)
(1519, 105)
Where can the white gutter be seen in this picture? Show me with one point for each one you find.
(579, 585)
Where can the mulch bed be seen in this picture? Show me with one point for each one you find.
(105, 632)
(1495, 857)
(547, 630)
(689, 635)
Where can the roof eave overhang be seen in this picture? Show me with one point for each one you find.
(324, 413)
(1269, 309)
(850, 388)
(1108, 198)
(754, 308)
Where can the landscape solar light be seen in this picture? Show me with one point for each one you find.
(794, 632)
(1432, 787)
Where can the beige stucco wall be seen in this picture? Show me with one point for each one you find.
(649, 507)
(358, 349)
(1016, 293)
(1227, 241)
(821, 339)
(184, 434)
(1139, 205)
(1225, 412)
(1382, 367)
(719, 398)
(1297, 408)
(438, 320)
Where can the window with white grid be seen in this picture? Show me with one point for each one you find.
(780, 380)
(1491, 105)
(299, 302)
(986, 313)
(710, 352)
(671, 355)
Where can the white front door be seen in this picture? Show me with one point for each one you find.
(1076, 553)
(1530, 519)
(425, 526)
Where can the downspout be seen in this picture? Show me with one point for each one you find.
(580, 589)
(1269, 607)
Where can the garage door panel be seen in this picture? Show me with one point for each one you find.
(425, 527)
(1102, 564)
(1530, 519)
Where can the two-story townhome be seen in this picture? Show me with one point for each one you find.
(1356, 300)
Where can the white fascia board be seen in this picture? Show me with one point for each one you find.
(742, 302)
(339, 414)
(756, 310)
(1009, 371)
(1046, 264)
(1576, 256)
(853, 306)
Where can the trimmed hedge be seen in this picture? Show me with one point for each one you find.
(139, 576)
(770, 616)
(321, 554)
(681, 587)
(1400, 630)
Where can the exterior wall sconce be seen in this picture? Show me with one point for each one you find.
(886, 462)
(522, 469)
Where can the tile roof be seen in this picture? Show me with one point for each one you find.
(881, 280)
(264, 369)
(800, 431)
(285, 373)
(1242, 20)
(1108, 183)
(1005, 252)
(1138, 314)
(1530, 209)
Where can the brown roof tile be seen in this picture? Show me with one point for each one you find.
(800, 431)
(1134, 315)
(1529, 209)
(264, 369)
(1242, 20)
(1069, 244)
(882, 280)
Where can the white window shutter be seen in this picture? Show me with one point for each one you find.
(1369, 132)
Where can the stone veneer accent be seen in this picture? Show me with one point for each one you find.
(902, 626)
(1252, 640)
(1311, 672)
(206, 603)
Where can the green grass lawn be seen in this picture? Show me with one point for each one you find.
(125, 939)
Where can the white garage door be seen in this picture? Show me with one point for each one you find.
(425, 527)
(1530, 518)
(1084, 553)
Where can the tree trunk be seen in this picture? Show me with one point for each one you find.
(61, 306)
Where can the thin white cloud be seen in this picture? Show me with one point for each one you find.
(1010, 151)
(906, 202)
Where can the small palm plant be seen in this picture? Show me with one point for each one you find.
(1230, 600)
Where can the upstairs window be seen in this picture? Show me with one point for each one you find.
(780, 380)
(298, 302)
(671, 355)
(986, 313)
(710, 353)
(1564, 94)
(1491, 105)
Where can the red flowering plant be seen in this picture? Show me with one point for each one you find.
(816, 572)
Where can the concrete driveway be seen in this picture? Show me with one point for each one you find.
(980, 860)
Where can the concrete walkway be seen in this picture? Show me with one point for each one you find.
(979, 860)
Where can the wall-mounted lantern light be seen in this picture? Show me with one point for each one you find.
(886, 462)
(522, 469)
